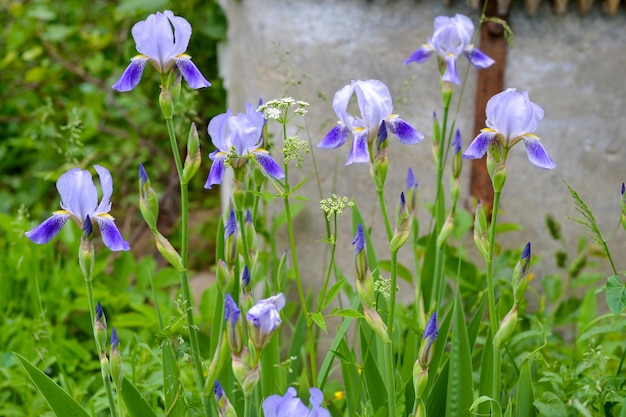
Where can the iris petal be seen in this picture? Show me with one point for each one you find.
(479, 145)
(420, 56)
(111, 235)
(191, 73)
(48, 229)
(269, 165)
(478, 58)
(404, 131)
(537, 154)
(337, 136)
(132, 74)
(106, 181)
(359, 152)
(216, 174)
(451, 75)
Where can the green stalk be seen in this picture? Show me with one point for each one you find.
(493, 314)
(391, 389)
(184, 279)
(294, 259)
(322, 297)
(383, 209)
(104, 369)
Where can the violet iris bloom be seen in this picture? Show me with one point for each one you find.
(511, 117)
(376, 119)
(289, 405)
(240, 135)
(162, 40)
(451, 38)
(79, 202)
(263, 318)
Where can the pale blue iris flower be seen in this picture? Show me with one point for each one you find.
(451, 38)
(79, 202)
(161, 40)
(376, 118)
(289, 405)
(511, 117)
(239, 135)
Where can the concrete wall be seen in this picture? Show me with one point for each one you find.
(572, 66)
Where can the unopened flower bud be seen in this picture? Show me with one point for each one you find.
(251, 237)
(166, 249)
(100, 327)
(446, 230)
(411, 192)
(420, 380)
(234, 324)
(381, 161)
(116, 365)
(250, 381)
(499, 177)
(425, 354)
(86, 253)
(223, 275)
(241, 365)
(224, 407)
(220, 358)
(376, 323)
(194, 157)
(457, 156)
(148, 201)
(480, 231)
(230, 239)
(166, 103)
(402, 232)
(507, 327)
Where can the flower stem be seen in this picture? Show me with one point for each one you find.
(294, 259)
(104, 369)
(391, 389)
(183, 277)
(383, 209)
(493, 315)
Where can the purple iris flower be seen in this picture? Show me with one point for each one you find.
(451, 38)
(79, 202)
(231, 311)
(263, 318)
(511, 117)
(375, 105)
(240, 135)
(289, 405)
(161, 40)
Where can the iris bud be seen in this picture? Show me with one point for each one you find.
(194, 157)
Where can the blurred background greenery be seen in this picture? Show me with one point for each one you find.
(59, 60)
(58, 111)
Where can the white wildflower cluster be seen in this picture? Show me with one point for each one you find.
(273, 109)
(294, 148)
(335, 205)
(383, 286)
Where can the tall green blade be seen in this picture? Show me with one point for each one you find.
(134, 401)
(61, 403)
(460, 394)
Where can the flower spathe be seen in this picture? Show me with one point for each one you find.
(451, 38)
(161, 40)
(238, 136)
(511, 117)
(289, 405)
(79, 202)
(376, 118)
